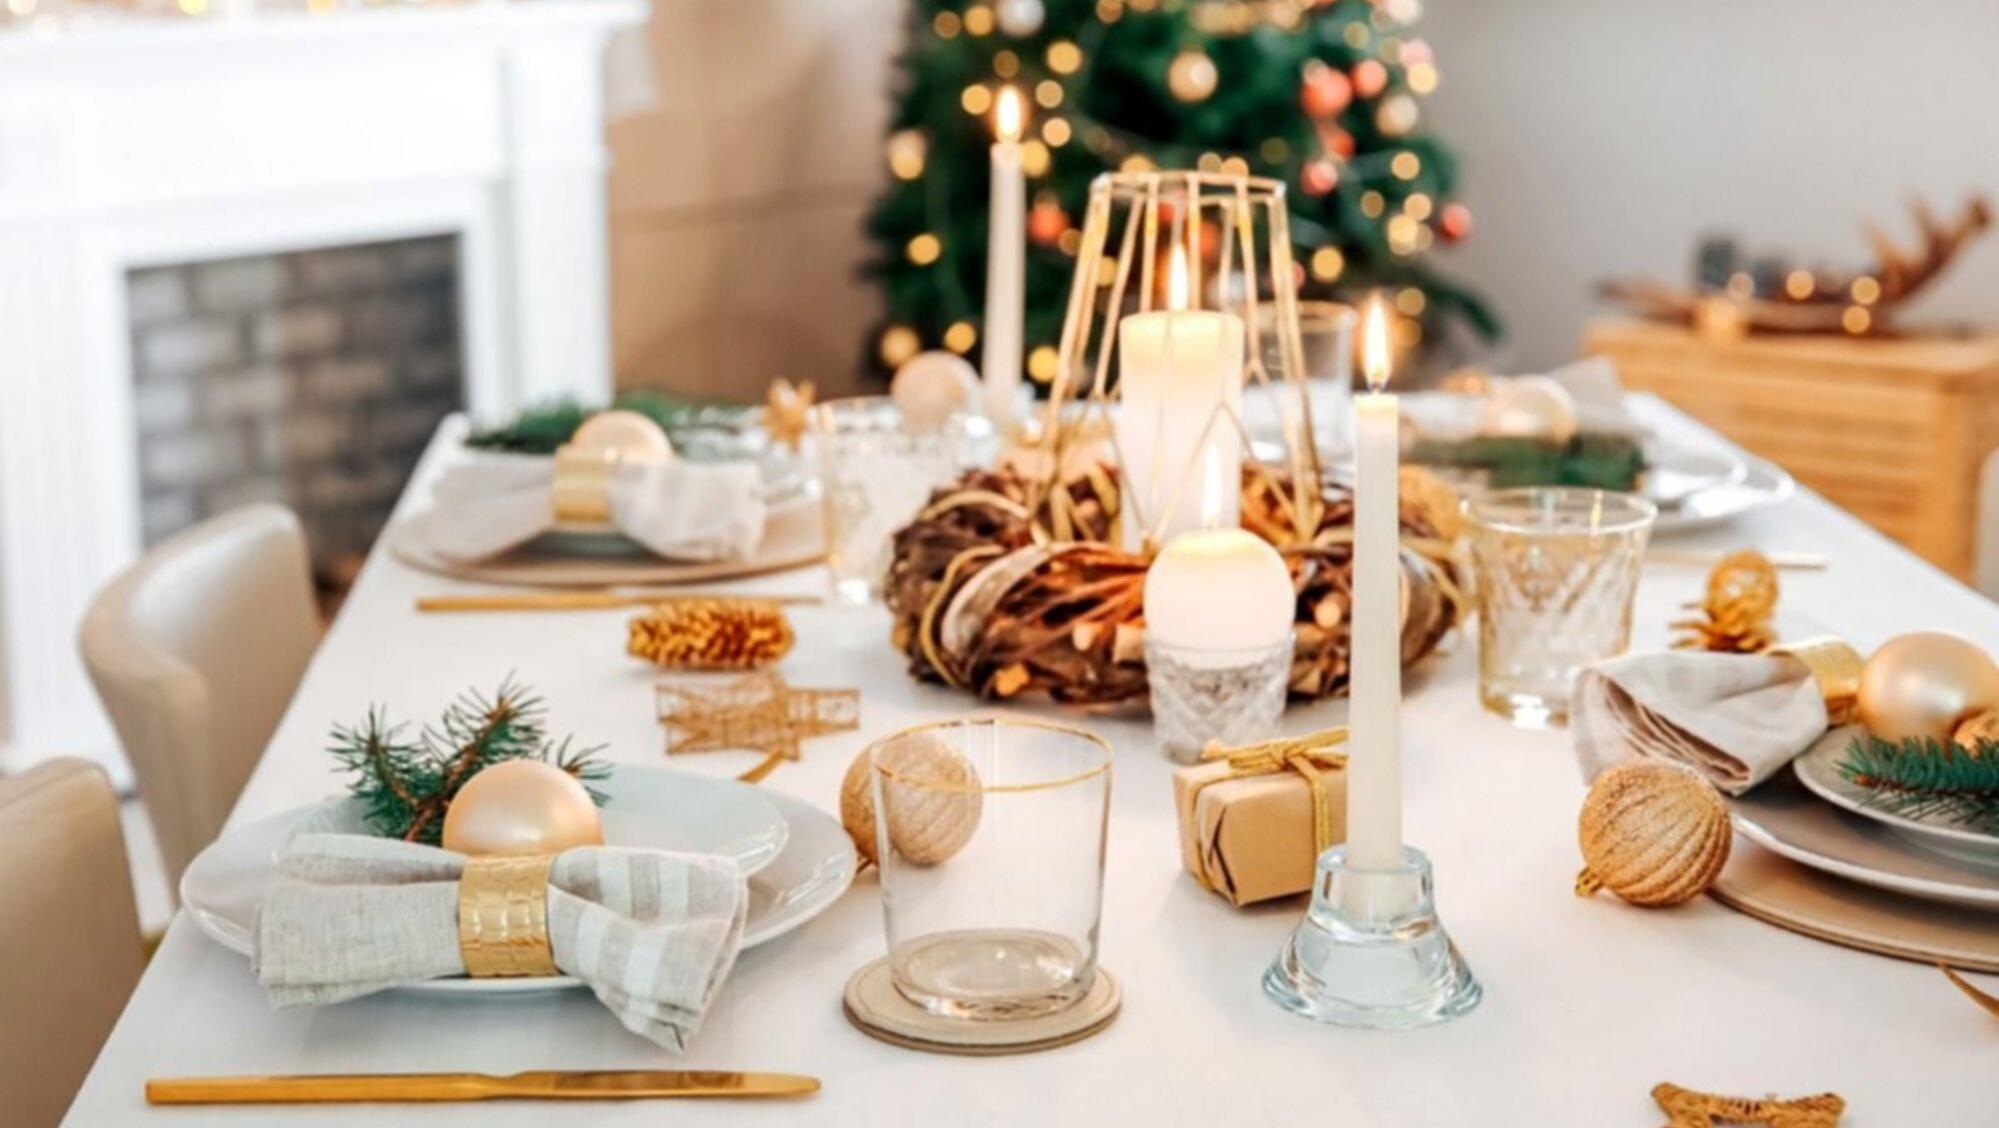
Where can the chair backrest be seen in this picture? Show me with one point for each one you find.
(69, 934)
(195, 651)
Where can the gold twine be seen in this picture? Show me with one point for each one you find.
(503, 916)
(1309, 756)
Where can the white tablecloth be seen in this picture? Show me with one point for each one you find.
(1588, 1003)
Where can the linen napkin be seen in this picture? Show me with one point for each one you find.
(1735, 718)
(654, 934)
(680, 510)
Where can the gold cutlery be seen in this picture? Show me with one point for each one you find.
(588, 600)
(1789, 561)
(538, 1085)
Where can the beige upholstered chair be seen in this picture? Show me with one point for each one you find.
(196, 650)
(69, 934)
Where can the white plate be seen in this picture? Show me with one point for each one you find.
(1674, 475)
(1762, 483)
(812, 864)
(1818, 769)
(1782, 816)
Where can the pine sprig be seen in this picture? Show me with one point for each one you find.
(540, 430)
(1923, 778)
(405, 785)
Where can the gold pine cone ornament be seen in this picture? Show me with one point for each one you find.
(933, 814)
(1653, 833)
(711, 634)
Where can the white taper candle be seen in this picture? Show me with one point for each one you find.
(1006, 249)
(1374, 772)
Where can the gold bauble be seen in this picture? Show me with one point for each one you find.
(1653, 833)
(934, 816)
(1192, 76)
(1983, 726)
(626, 436)
(1924, 684)
(521, 807)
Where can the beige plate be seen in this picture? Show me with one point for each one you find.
(878, 1010)
(798, 539)
(1788, 895)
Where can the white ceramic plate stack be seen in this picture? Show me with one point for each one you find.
(1816, 818)
(798, 858)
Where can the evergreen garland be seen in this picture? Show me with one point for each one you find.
(405, 783)
(1597, 461)
(541, 430)
(1920, 778)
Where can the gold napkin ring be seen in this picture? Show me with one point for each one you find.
(1836, 667)
(503, 916)
(582, 484)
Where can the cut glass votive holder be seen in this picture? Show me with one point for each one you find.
(1371, 952)
(1215, 694)
(875, 473)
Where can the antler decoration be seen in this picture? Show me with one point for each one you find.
(1820, 303)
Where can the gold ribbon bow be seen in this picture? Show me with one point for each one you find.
(503, 916)
(1307, 755)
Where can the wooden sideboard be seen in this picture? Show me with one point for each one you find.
(1896, 431)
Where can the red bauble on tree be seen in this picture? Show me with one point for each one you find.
(1454, 222)
(1323, 91)
(1318, 176)
(1046, 222)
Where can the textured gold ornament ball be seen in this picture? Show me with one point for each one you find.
(1653, 833)
(1924, 685)
(1192, 76)
(932, 818)
(521, 807)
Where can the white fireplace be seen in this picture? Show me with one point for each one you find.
(127, 144)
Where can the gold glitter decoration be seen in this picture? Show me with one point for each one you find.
(929, 824)
(711, 634)
(759, 713)
(1653, 833)
(1735, 615)
(786, 406)
(1686, 1108)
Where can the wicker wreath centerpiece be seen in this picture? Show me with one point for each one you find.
(1029, 578)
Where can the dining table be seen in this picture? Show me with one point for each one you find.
(1589, 1003)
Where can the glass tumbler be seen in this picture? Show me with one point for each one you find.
(990, 835)
(875, 473)
(1554, 572)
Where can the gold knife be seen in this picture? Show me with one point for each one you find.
(538, 1085)
(586, 600)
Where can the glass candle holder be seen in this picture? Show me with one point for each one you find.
(1554, 572)
(990, 835)
(1203, 694)
(875, 473)
(1325, 330)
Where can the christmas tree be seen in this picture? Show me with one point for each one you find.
(1322, 94)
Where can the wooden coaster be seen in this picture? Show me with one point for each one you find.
(1788, 895)
(878, 1010)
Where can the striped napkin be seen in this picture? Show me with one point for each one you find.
(679, 510)
(653, 934)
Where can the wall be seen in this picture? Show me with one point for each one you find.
(1602, 139)
(1598, 138)
(736, 204)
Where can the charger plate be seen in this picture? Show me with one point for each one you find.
(1765, 886)
(878, 1010)
(794, 537)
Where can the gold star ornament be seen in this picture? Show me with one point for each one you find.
(787, 406)
(759, 713)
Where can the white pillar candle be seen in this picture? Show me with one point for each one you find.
(1374, 765)
(1006, 248)
(1182, 458)
(1218, 591)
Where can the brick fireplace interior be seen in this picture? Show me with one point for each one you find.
(311, 378)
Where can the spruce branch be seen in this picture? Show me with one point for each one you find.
(1924, 778)
(405, 786)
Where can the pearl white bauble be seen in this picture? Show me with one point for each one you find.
(1020, 18)
(1924, 684)
(930, 387)
(521, 807)
(1529, 407)
(625, 435)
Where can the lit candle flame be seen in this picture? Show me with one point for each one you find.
(1007, 114)
(1176, 278)
(1374, 345)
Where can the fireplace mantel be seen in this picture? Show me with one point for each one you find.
(128, 142)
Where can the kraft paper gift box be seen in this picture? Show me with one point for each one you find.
(1250, 826)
